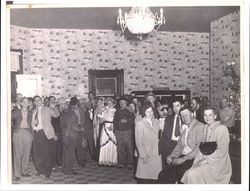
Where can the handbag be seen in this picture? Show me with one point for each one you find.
(208, 148)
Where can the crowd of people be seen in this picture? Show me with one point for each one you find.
(184, 141)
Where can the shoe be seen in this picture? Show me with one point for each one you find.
(120, 166)
(74, 173)
(17, 179)
(47, 178)
(26, 175)
(53, 169)
(81, 164)
(71, 173)
(38, 174)
(130, 167)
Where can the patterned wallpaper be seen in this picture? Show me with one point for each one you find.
(177, 60)
(225, 47)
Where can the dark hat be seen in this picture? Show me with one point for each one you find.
(123, 98)
(73, 101)
(150, 94)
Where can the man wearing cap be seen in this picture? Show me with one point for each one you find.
(123, 129)
(151, 97)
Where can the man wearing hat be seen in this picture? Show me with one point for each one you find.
(151, 97)
(70, 131)
(123, 129)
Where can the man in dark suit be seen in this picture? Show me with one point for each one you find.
(170, 132)
(197, 109)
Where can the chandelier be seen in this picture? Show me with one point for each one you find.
(140, 20)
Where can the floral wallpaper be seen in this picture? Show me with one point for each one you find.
(178, 60)
(225, 47)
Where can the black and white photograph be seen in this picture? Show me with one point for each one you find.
(125, 94)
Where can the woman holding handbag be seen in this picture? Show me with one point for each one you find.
(212, 164)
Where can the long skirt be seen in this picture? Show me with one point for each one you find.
(108, 148)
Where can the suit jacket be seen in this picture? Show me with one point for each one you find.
(166, 144)
(200, 114)
(17, 117)
(146, 138)
(194, 138)
(69, 124)
(47, 114)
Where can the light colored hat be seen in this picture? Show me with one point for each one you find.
(150, 94)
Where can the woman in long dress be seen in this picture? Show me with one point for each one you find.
(108, 148)
(214, 168)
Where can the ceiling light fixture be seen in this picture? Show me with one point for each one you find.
(140, 20)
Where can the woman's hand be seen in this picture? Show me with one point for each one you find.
(202, 162)
(169, 160)
(55, 138)
(144, 160)
(110, 128)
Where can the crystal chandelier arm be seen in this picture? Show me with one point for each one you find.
(159, 20)
(121, 20)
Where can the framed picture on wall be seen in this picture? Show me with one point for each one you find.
(106, 82)
(105, 86)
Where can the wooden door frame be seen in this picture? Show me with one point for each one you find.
(118, 74)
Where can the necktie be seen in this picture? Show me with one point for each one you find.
(177, 127)
(195, 114)
(36, 118)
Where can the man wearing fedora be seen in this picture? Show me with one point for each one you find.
(123, 129)
(151, 97)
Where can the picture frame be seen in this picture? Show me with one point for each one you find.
(106, 86)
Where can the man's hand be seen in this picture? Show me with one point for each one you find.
(55, 138)
(178, 161)
(169, 160)
(123, 120)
